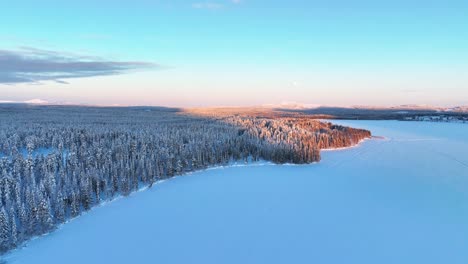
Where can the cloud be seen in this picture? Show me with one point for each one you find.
(30, 65)
(207, 5)
(215, 5)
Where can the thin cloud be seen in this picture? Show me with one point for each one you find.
(215, 5)
(30, 65)
(207, 5)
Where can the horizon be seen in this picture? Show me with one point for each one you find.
(282, 105)
(235, 53)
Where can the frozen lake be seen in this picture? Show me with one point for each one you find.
(402, 199)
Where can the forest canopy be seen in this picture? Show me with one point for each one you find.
(59, 161)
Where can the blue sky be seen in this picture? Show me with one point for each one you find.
(192, 53)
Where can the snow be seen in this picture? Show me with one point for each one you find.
(399, 200)
(32, 101)
(36, 101)
(35, 153)
(38, 152)
(440, 118)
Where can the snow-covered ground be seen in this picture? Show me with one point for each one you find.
(37, 152)
(400, 199)
(439, 118)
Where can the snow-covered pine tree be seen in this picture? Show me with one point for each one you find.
(4, 231)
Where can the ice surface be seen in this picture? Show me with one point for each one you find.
(401, 199)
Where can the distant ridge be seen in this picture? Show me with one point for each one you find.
(32, 101)
(414, 107)
(284, 105)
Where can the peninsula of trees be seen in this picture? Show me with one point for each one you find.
(57, 161)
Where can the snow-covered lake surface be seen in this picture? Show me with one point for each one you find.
(401, 199)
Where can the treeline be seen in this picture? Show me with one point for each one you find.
(296, 140)
(57, 162)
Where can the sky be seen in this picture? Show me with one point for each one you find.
(235, 52)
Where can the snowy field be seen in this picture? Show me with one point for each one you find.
(398, 199)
